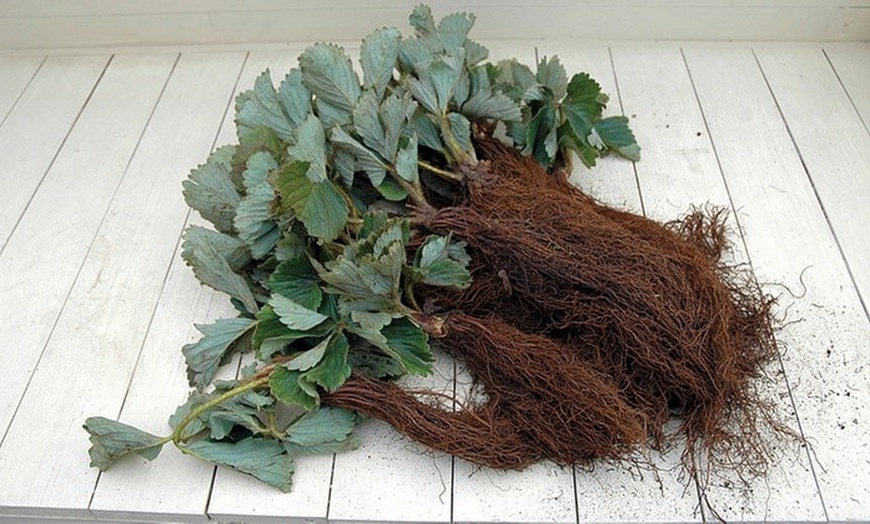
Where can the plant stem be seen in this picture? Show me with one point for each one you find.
(415, 192)
(447, 175)
(176, 436)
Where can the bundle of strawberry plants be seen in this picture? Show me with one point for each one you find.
(359, 222)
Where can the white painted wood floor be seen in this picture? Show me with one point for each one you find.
(95, 302)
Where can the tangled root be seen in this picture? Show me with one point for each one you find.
(543, 402)
(589, 329)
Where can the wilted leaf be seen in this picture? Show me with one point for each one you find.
(204, 357)
(541, 138)
(111, 440)
(460, 127)
(265, 459)
(437, 265)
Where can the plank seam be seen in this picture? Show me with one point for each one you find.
(815, 190)
(23, 90)
(839, 248)
(741, 231)
(56, 153)
(78, 272)
(622, 111)
(845, 90)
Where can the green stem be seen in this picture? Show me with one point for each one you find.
(447, 175)
(415, 192)
(176, 436)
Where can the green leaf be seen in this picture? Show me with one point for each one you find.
(326, 427)
(615, 133)
(517, 80)
(378, 57)
(583, 104)
(488, 104)
(287, 387)
(460, 127)
(233, 250)
(333, 370)
(366, 159)
(264, 459)
(373, 221)
(400, 338)
(475, 53)
(195, 400)
(406, 161)
(437, 266)
(569, 140)
(219, 339)
(111, 440)
(297, 280)
(319, 206)
(327, 72)
(262, 107)
(253, 218)
(211, 192)
(241, 410)
(422, 21)
(295, 97)
(426, 131)
(213, 270)
(375, 365)
(410, 345)
(391, 190)
(308, 359)
(443, 77)
(310, 148)
(294, 315)
(541, 137)
(552, 75)
(453, 30)
(367, 122)
(424, 92)
(395, 113)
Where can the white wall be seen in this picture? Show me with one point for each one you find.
(97, 23)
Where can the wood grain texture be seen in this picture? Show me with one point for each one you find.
(43, 257)
(95, 346)
(35, 129)
(833, 143)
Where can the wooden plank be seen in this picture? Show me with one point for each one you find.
(834, 146)
(778, 214)
(679, 168)
(18, 71)
(235, 496)
(43, 257)
(832, 392)
(36, 128)
(175, 486)
(659, 493)
(852, 66)
(95, 345)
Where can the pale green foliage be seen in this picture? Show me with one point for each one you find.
(313, 230)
